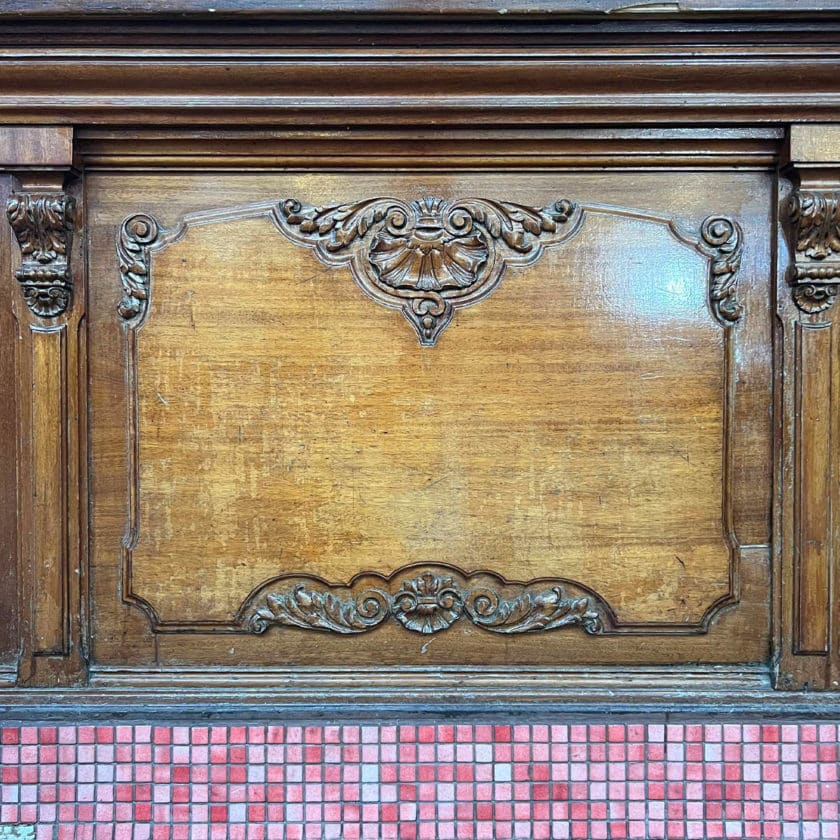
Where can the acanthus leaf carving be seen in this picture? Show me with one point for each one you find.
(426, 257)
(424, 603)
(311, 609)
(137, 234)
(431, 256)
(43, 227)
(815, 277)
(722, 240)
(817, 219)
(530, 611)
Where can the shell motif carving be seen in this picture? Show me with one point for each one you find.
(428, 603)
(427, 257)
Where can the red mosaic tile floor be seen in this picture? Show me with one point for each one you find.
(422, 781)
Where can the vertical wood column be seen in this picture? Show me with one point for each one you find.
(50, 376)
(809, 456)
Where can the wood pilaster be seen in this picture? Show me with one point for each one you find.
(810, 414)
(49, 368)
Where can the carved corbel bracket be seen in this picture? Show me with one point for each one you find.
(43, 226)
(815, 275)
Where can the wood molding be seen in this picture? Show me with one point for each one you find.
(621, 70)
(476, 148)
(222, 8)
(372, 692)
(305, 606)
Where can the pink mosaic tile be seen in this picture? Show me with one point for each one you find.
(422, 781)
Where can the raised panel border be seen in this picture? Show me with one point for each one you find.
(344, 236)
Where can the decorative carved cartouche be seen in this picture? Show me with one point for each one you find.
(427, 602)
(43, 226)
(427, 257)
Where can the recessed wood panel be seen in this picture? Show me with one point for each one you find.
(277, 427)
(49, 530)
(558, 429)
(814, 444)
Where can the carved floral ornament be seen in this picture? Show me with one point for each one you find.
(427, 257)
(816, 273)
(43, 226)
(424, 601)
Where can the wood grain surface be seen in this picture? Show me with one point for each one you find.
(571, 425)
(237, 464)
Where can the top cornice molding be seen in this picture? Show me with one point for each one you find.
(159, 63)
(632, 9)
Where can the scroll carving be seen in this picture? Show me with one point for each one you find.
(428, 257)
(424, 603)
(722, 238)
(137, 234)
(43, 226)
(816, 271)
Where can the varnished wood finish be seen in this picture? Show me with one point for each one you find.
(466, 357)
(23, 147)
(399, 506)
(571, 8)
(809, 655)
(49, 371)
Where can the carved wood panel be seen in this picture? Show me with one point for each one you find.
(334, 503)
(393, 263)
(469, 370)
